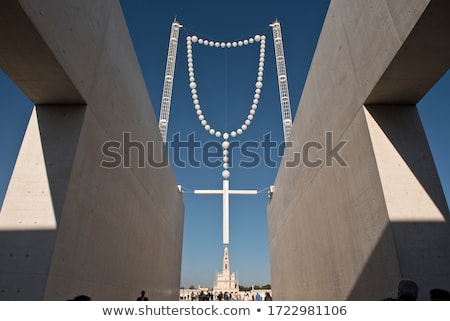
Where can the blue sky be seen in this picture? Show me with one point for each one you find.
(226, 82)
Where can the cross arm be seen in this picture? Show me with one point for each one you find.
(243, 192)
(208, 191)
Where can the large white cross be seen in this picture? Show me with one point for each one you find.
(226, 192)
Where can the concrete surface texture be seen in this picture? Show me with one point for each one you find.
(345, 230)
(351, 230)
(69, 226)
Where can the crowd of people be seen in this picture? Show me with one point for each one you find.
(226, 296)
(407, 290)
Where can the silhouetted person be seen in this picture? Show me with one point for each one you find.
(439, 295)
(407, 291)
(142, 297)
(81, 297)
(268, 297)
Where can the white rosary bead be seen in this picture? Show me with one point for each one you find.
(225, 174)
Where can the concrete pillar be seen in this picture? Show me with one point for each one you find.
(351, 228)
(34, 200)
(415, 203)
(70, 225)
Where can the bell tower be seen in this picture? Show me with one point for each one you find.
(226, 262)
(226, 281)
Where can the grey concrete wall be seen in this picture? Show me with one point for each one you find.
(35, 199)
(416, 205)
(115, 231)
(338, 231)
